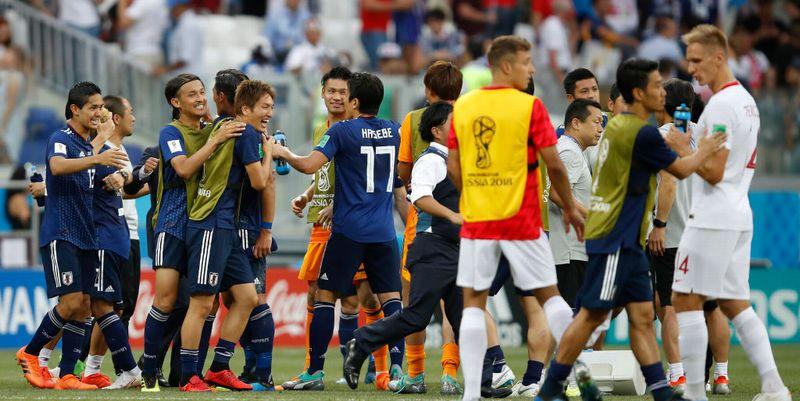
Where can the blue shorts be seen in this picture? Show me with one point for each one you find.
(616, 280)
(343, 256)
(67, 268)
(502, 276)
(247, 239)
(106, 284)
(216, 261)
(170, 252)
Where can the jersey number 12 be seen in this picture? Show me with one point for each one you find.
(371, 153)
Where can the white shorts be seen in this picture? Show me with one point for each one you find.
(531, 261)
(713, 263)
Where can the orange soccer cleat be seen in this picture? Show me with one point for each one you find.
(226, 379)
(196, 385)
(382, 381)
(71, 382)
(32, 371)
(98, 379)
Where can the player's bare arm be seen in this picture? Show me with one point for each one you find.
(666, 197)
(404, 171)
(308, 164)
(454, 168)
(401, 202)
(560, 182)
(60, 165)
(186, 167)
(263, 246)
(300, 201)
(431, 206)
(707, 145)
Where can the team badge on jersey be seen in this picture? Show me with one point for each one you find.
(60, 148)
(323, 141)
(213, 278)
(174, 145)
(66, 278)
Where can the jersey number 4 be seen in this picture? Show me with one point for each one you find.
(684, 266)
(373, 152)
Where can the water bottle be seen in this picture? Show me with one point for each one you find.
(280, 165)
(682, 117)
(35, 177)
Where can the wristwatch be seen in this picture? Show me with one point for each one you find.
(659, 224)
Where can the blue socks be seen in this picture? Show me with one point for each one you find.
(153, 336)
(656, 382)
(51, 324)
(397, 350)
(222, 355)
(533, 373)
(347, 326)
(71, 344)
(117, 339)
(554, 383)
(321, 331)
(188, 365)
(261, 332)
(205, 337)
(498, 358)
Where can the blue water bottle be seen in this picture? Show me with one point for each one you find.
(280, 165)
(682, 117)
(35, 177)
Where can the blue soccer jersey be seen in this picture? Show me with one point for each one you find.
(109, 217)
(365, 150)
(172, 214)
(68, 215)
(246, 150)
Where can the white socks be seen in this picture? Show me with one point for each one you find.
(755, 341)
(559, 316)
(93, 364)
(720, 369)
(44, 356)
(693, 341)
(472, 348)
(676, 371)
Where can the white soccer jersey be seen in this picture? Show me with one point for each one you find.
(725, 206)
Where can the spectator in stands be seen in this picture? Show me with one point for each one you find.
(81, 14)
(143, 23)
(556, 45)
(664, 44)
(540, 10)
(390, 59)
(471, 17)
(375, 16)
(441, 41)
(185, 45)
(261, 62)
(407, 18)
(307, 58)
(18, 209)
(747, 64)
(597, 26)
(623, 17)
(13, 88)
(285, 27)
(476, 73)
(503, 14)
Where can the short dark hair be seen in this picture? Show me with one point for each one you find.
(435, 14)
(697, 108)
(579, 109)
(226, 82)
(444, 79)
(434, 116)
(678, 91)
(531, 88)
(613, 93)
(338, 72)
(504, 46)
(368, 89)
(79, 94)
(578, 74)
(634, 73)
(114, 104)
(249, 92)
(174, 85)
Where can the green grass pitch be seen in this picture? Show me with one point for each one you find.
(288, 362)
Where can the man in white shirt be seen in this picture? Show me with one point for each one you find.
(307, 58)
(555, 41)
(144, 23)
(185, 46)
(714, 251)
(664, 44)
(583, 126)
(81, 14)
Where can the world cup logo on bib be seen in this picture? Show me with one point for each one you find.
(323, 181)
(483, 128)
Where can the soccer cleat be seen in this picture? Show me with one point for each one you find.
(80, 366)
(128, 379)
(196, 385)
(679, 386)
(226, 379)
(71, 382)
(248, 377)
(369, 378)
(450, 386)
(503, 379)
(55, 372)
(572, 390)
(306, 382)
(521, 390)
(783, 395)
(98, 379)
(558, 397)
(261, 385)
(32, 371)
(395, 372)
(382, 381)
(354, 358)
(588, 388)
(721, 385)
(409, 385)
(341, 381)
(491, 392)
(150, 384)
(163, 381)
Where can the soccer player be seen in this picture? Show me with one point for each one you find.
(714, 252)
(632, 153)
(215, 258)
(442, 82)
(68, 237)
(183, 147)
(365, 150)
(490, 167)
(319, 199)
(616, 104)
